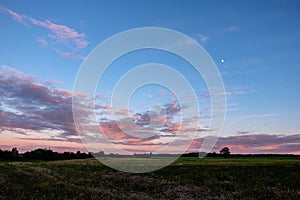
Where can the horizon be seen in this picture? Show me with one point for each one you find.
(150, 153)
(254, 45)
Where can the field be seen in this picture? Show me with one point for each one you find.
(187, 178)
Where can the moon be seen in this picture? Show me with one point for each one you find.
(222, 60)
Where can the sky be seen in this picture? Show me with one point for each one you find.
(254, 44)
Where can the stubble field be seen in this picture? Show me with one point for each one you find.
(187, 178)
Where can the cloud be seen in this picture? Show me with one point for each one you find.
(57, 148)
(71, 55)
(147, 128)
(243, 132)
(29, 106)
(229, 92)
(203, 38)
(62, 34)
(75, 140)
(42, 113)
(19, 18)
(42, 41)
(121, 135)
(231, 28)
(124, 112)
(256, 144)
(263, 143)
(265, 115)
(161, 93)
(39, 113)
(141, 119)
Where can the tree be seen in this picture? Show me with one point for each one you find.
(14, 153)
(225, 152)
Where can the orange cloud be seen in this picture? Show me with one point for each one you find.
(124, 112)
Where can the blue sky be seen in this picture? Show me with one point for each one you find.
(45, 42)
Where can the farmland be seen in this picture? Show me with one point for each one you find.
(187, 178)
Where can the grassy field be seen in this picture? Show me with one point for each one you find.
(187, 178)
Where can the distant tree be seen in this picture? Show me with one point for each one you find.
(214, 154)
(14, 153)
(225, 152)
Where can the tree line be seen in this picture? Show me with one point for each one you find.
(50, 155)
(41, 154)
(225, 153)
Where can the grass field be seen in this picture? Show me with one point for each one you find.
(187, 178)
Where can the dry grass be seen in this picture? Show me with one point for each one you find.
(262, 178)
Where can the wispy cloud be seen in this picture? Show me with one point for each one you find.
(203, 38)
(125, 112)
(43, 42)
(243, 132)
(264, 115)
(62, 33)
(229, 91)
(71, 55)
(19, 18)
(231, 28)
(58, 33)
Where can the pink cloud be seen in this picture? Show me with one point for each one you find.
(59, 33)
(72, 55)
(124, 112)
(97, 106)
(255, 144)
(19, 18)
(62, 33)
(42, 42)
(65, 92)
(112, 130)
(161, 93)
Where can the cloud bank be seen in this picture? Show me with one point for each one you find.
(37, 112)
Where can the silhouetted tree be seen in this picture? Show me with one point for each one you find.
(14, 153)
(225, 152)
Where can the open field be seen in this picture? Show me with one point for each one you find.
(187, 178)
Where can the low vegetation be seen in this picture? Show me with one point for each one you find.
(187, 178)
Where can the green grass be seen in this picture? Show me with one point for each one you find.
(187, 178)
